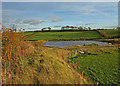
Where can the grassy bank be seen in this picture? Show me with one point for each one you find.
(26, 62)
(114, 40)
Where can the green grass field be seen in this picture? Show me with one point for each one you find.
(65, 35)
(28, 33)
(101, 66)
(111, 33)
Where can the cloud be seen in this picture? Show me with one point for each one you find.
(54, 18)
(32, 21)
(111, 26)
(88, 8)
(57, 26)
(60, 1)
(90, 23)
(0, 12)
(8, 21)
(72, 13)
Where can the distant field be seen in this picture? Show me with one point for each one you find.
(100, 66)
(64, 35)
(28, 33)
(111, 33)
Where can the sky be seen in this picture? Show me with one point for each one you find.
(60, 0)
(0, 13)
(37, 15)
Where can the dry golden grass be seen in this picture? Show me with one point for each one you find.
(54, 68)
(26, 62)
(13, 52)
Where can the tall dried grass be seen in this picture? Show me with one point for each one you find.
(22, 64)
(13, 52)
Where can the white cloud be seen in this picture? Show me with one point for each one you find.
(0, 12)
(32, 21)
(91, 0)
(21, 21)
(58, 26)
(90, 23)
(54, 18)
(60, 1)
(111, 26)
(87, 8)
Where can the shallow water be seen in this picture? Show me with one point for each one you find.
(72, 43)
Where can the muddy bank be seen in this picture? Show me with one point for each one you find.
(113, 41)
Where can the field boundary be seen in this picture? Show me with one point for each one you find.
(60, 30)
(103, 34)
(31, 35)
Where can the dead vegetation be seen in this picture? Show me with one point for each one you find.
(26, 62)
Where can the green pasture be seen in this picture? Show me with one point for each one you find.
(100, 66)
(28, 33)
(111, 33)
(65, 35)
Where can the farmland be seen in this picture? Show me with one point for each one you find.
(99, 63)
(29, 62)
(28, 33)
(65, 35)
(111, 33)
